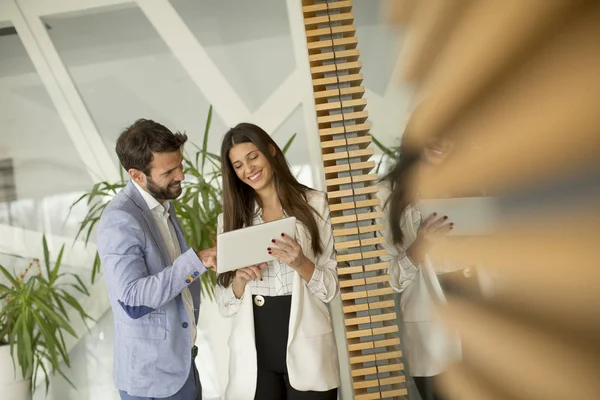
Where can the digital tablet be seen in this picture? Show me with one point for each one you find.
(471, 215)
(248, 246)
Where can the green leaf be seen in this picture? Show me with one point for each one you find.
(288, 144)
(57, 264)
(96, 267)
(46, 255)
(205, 139)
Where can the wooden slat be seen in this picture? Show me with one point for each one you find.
(350, 55)
(389, 355)
(357, 321)
(386, 342)
(327, 119)
(349, 205)
(386, 329)
(377, 266)
(373, 241)
(347, 29)
(354, 295)
(335, 105)
(347, 142)
(375, 253)
(380, 304)
(352, 282)
(369, 215)
(343, 219)
(384, 317)
(348, 42)
(381, 292)
(340, 130)
(364, 371)
(362, 359)
(359, 333)
(349, 270)
(353, 66)
(320, 7)
(351, 179)
(364, 153)
(390, 368)
(360, 346)
(346, 245)
(353, 90)
(348, 257)
(378, 279)
(345, 17)
(370, 228)
(355, 308)
(338, 79)
(392, 380)
(365, 384)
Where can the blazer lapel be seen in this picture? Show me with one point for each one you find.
(147, 214)
(183, 245)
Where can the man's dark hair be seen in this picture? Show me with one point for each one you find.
(144, 137)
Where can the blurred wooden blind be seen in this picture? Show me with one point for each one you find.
(368, 301)
(520, 79)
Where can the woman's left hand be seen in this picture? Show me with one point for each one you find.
(288, 250)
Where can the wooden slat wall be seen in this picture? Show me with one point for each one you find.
(368, 300)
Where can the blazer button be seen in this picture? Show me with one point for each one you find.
(259, 300)
(185, 324)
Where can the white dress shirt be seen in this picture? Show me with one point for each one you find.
(160, 212)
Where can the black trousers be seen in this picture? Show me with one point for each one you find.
(426, 387)
(271, 326)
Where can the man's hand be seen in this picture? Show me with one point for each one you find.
(208, 258)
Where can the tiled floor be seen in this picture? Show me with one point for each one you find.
(91, 370)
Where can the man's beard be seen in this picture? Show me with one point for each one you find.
(162, 193)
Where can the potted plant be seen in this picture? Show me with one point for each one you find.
(197, 208)
(34, 319)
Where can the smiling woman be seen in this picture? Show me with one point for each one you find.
(278, 361)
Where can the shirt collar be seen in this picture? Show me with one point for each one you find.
(258, 212)
(152, 202)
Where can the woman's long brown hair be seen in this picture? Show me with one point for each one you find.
(239, 198)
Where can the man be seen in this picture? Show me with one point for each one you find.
(151, 273)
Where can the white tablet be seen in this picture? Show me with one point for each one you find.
(471, 215)
(248, 246)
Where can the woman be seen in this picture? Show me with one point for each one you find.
(282, 343)
(427, 345)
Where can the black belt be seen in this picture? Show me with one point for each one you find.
(194, 352)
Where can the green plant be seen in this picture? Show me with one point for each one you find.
(34, 315)
(197, 208)
(389, 154)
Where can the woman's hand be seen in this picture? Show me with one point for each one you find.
(429, 233)
(245, 275)
(289, 251)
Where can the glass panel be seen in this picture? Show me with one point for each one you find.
(249, 41)
(40, 170)
(380, 46)
(297, 155)
(126, 72)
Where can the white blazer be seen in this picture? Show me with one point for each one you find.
(427, 344)
(312, 357)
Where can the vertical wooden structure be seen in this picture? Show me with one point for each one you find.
(368, 302)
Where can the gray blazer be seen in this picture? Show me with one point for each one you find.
(151, 334)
